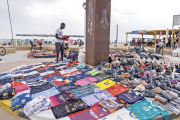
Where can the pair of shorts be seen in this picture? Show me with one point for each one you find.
(59, 47)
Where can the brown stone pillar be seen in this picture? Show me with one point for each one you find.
(98, 14)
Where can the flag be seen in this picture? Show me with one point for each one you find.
(160, 34)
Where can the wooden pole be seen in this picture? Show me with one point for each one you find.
(116, 37)
(154, 38)
(173, 37)
(126, 38)
(172, 40)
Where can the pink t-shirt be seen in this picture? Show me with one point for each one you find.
(21, 88)
(86, 81)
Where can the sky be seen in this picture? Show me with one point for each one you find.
(45, 16)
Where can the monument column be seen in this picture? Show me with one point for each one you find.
(98, 13)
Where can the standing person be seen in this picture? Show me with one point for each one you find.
(75, 43)
(59, 44)
(40, 44)
(138, 42)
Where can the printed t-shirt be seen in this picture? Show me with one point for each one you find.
(43, 87)
(81, 91)
(110, 105)
(36, 105)
(68, 70)
(93, 113)
(33, 79)
(71, 73)
(80, 76)
(117, 89)
(86, 81)
(47, 93)
(17, 83)
(21, 88)
(66, 87)
(19, 101)
(100, 77)
(6, 93)
(147, 110)
(97, 96)
(130, 96)
(59, 80)
(72, 106)
(122, 114)
(61, 98)
(105, 84)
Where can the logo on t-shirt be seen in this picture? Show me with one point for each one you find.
(106, 83)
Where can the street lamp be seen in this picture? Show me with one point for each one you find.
(84, 6)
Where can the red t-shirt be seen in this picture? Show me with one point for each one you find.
(117, 89)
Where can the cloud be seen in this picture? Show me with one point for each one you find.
(45, 16)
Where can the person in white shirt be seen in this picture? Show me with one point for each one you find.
(59, 44)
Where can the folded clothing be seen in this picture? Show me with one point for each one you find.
(47, 93)
(7, 93)
(61, 98)
(81, 91)
(117, 89)
(100, 77)
(36, 105)
(130, 96)
(66, 87)
(72, 106)
(19, 101)
(86, 81)
(17, 83)
(33, 79)
(122, 114)
(51, 75)
(21, 88)
(110, 105)
(93, 113)
(97, 96)
(43, 87)
(3, 87)
(147, 110)
(105, 84)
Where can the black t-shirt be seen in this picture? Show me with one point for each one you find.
(40, 88)
(72, 106)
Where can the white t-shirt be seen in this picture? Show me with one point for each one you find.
(122, 114)
(60, 34)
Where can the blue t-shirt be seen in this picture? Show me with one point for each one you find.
(130, 96)
(147, 110)
(20, 101)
